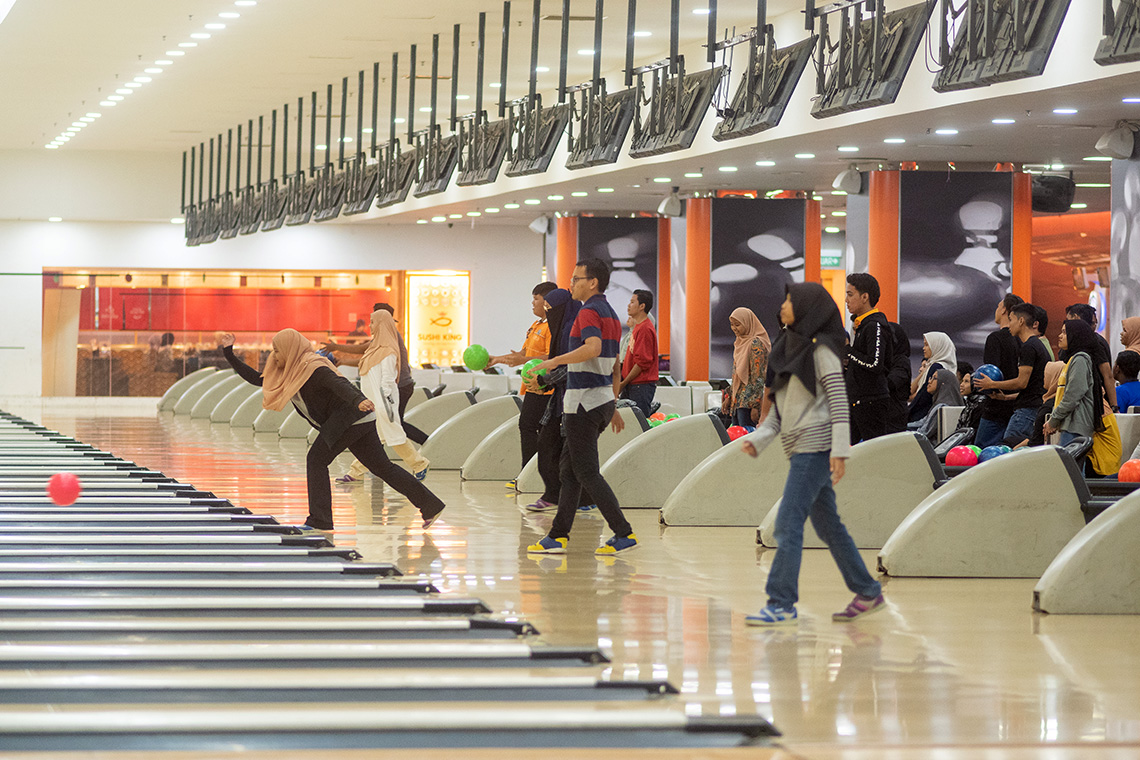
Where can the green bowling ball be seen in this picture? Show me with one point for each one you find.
(974, 449)
(528, 372)
(476, 357)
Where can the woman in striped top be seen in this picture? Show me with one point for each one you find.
(810, 414)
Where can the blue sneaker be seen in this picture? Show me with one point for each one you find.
(772, 616)
(587, 508)
(616, 545)
(421, 474)
(548, 545)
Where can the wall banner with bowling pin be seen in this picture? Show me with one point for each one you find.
(1124, 291)
(757, 250)
(955, 255)
(629, 246)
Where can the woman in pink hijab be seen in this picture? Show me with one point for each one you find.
(743, 399)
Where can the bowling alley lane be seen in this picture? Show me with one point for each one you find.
(952, 667)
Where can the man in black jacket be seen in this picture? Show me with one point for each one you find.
(869, 360)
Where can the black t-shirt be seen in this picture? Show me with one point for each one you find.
(1032, 354)
(1001, 351)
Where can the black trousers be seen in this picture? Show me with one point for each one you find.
(530, 423)
(365, 445)
(871, 418)
(579, 468)
(550, 442)
(415, 435)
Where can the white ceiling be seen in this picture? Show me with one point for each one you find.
(60, 57)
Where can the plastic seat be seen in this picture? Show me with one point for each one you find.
(960, 437)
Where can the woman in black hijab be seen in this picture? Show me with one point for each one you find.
(810, 414)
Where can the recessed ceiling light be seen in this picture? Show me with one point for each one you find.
(425, 109)
(86, 119)
(605, 189)
(153, 70)
(946, 132)
(693, 175)
(831, 230)
(115, 97)
(439, 218)
(175, 53)
(199, 36)
(123, 91)
(579, 194)
(143, 80)
(52, 146)
(55, 218)
(585, 51)
(108, 103)
(727, 169)
(131, 85)
(421, 221)
(1093, 184)
(895, 140)
(1079, 205)
(463, 97)
(1130, 100)
(215, 26)
(229, 14)
(399, 120)
(642, 34)
(1065, 111)
(347, 140)
(838, 192)
(817, 197)
(455, 216)
(491, 210)
(495, 85)
(765, 163)
(177, 220)
(532, 201)
(700, 11)
(1097, 158)
(94, 115)
(805, 155)
(839, 213)
(322, 147)
(554, 197)
(367, 130)
(188, 44)
(79, 124)
(245, 3)
(474, 213)
(1057, 167)
(660, 180)
(1003, 121)
(541, 69)
(64, 138)
(848, 149)
(510, 205)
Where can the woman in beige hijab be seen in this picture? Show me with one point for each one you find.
(379, 376)
(742, 401)
(295, 374)
(1130, 333)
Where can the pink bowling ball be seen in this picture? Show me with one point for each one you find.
(961, 456)
(735, 432)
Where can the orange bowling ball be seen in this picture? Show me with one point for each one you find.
(1130, 471)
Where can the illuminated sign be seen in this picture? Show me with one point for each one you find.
(438, 317)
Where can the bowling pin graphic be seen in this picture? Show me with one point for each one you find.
(980, 220)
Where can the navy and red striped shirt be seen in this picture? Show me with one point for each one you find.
(589, 384)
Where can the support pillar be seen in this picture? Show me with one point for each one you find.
(698, 257)
(664, 283)
(883, 239)
(566, 250)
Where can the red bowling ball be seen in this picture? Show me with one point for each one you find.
(1130, 471)
(961, 456)
(735, 432)
(64, 488)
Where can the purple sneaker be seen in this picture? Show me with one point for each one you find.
(860, 606)
(541, 505)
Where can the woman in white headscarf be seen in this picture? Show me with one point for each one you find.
(938, 352)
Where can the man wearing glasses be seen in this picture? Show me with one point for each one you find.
(589, 407)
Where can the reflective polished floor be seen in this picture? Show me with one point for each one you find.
(953, 669)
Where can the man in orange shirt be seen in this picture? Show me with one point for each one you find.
(536, 345)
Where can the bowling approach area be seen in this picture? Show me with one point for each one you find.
(286, 642)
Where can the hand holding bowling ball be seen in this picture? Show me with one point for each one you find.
(476, 357)
(984, 377)
(528, 369)
(64, 488)
(961, 456)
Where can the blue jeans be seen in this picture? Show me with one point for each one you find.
(808, 492)
(1067, 438)
(1020, 426)
(640, 394)
(743, 417)
(990, 432)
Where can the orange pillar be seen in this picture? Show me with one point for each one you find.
(1022, 235)
(813, 242)
(698, 269)
(664, 282)
(883, 240)
(566, 249)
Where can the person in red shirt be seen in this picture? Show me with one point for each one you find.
(635, 377)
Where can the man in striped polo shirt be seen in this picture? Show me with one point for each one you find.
(589, 407)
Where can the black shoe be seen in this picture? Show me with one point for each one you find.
(431, 517)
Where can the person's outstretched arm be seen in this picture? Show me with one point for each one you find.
(246, 372)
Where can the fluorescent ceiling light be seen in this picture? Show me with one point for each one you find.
(895, 140)
(78, 124)
(510, 205)
(662, 180)
(322, 147)
(439, 218)
(425, 109)
(55, 219)
(399, 120)
(541, 69)
(839, 213)
(421, 221)
(463, 97)
(1097, 158)
(131, 85)
(848, 149)
(643, 34)
(765, 163)
(532, 201)
(177, 220)
(1003, 121)
(187, 44)
(115, 97)
(455, 216)
(495, 85)
(946, 132)
(1079, 205)
(578, 194)
(1093, 184)
(605, 189)
(1130, 100)
(143, 80)
(554, 197)
(1065, 111)
(52, 146)
(585, 51)
(805, 155)
(700, 11)
(831, 230)
(124, 91)
(108, 103)
(474, 213)
(491, 210)
(693, 175)
(727, 169)
(367, 130)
